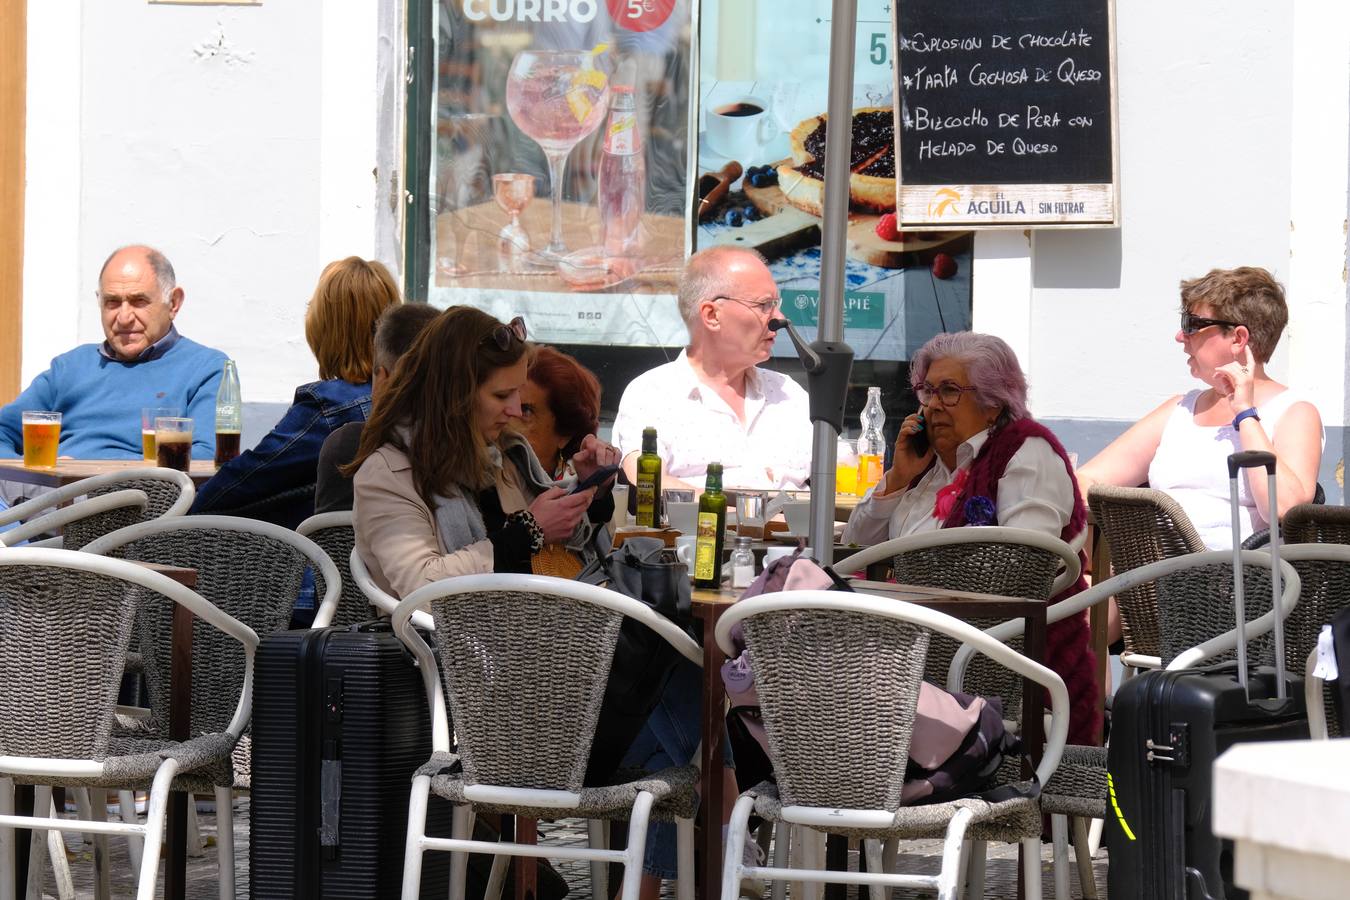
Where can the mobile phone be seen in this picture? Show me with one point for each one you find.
(596, 478)
(918, 441)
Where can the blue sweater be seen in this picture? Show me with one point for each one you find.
(100, 400)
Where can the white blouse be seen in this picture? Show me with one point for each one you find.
(1035, 492)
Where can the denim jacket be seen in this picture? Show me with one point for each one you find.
(275, 480)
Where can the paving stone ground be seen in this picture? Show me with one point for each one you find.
(921, 856)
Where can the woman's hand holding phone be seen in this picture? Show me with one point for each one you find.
(912, 453)
(557, 512)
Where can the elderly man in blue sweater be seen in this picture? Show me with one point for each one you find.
(99, 389)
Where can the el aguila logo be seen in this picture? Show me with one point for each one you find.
(943, 201)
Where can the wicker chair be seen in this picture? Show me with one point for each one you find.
(1011, 562)
(527, 659)
(1078, 788)
(838, 678)
(333, 532)
(250, 570)
(165, 492)
(1310, 523)
(1142, 526)
(65, 621)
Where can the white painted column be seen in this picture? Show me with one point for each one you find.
(1320, 145)
(1001, 289)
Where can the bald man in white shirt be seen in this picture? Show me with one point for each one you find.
(713, 403)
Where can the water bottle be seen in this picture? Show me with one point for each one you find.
(622, 178)
(872, 445)
(229, 415)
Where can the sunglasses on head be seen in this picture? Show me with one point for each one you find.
(502, 334)
(1190, 324)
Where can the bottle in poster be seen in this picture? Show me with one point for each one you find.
(622, 176)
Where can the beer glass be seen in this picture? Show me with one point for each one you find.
(41, 435)
(173, 443)
(148, 416)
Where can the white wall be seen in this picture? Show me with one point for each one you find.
(1233, 151)
(239, 140)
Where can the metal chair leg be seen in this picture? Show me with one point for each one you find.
(1082, 852)
(1059, 831)
(225, 841)
(1031, 868)
(597, 834)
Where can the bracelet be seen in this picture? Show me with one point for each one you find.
(526, 518)
(1248, 413)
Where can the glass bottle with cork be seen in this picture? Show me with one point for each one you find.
(871, 446)
(648, 482)
(229, 415)
(712, 526)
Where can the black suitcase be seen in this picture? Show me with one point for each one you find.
(339, 726)
(1167, 730)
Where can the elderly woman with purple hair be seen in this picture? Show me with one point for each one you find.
(972, 455)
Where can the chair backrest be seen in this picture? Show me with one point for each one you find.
(65, 622)
(168, 492)
(838, 682)
(1142, 526)
(1314, 523)
(333, 532)
(1196, 604)
(1009, 562)
(76, 524)
(1325, 573)
(526, 659)
(248, 569)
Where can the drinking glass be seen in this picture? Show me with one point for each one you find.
(557, 97)
(513, 192)
(173, 443)
(41, 436)
(148, 416)
(750, 513)
(846, 467)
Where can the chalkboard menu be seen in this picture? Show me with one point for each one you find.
(1005, 112)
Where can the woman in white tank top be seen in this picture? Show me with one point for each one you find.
(1231, 320)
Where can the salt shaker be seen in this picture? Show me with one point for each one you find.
(742, 564)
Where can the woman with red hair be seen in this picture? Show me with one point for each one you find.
(559, 406)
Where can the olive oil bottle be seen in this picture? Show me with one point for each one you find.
(712, 524)
(649, 482)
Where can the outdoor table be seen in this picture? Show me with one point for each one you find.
(709, 605)
(69, 471)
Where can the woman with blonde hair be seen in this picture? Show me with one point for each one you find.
(275, 480)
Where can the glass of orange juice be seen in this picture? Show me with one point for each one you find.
(41, 435)
(846, 467)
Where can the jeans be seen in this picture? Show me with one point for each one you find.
(670, 738)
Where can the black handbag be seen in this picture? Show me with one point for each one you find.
(646, 570)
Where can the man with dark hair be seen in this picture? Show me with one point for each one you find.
(100, 389)
(398, 328)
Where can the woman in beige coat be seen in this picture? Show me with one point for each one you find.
(443, 487)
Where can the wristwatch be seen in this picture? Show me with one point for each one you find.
(1248, 413)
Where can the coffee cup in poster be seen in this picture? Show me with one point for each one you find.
(739, 129)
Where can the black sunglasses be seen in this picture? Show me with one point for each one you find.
(1190, 324)
(502, 334)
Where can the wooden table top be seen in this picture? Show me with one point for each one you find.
(69, 471)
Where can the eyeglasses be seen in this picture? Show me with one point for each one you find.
(502, 334)
(1191, 324)
(949, 392)
(766, 307)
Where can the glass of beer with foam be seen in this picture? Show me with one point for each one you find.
(148, 416)
(173, 443)
(41, 435)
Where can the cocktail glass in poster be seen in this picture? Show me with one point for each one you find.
(560, 173)
(763, 83)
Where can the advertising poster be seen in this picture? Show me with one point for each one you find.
(763, 84)
(561, 165)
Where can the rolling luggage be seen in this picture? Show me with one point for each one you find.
(339, 725)
(1167, 729)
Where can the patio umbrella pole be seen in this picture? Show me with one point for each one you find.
(829, 389)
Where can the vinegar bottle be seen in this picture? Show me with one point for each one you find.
(871, 446)
(622, 181)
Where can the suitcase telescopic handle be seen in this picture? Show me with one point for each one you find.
(1250, 459)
